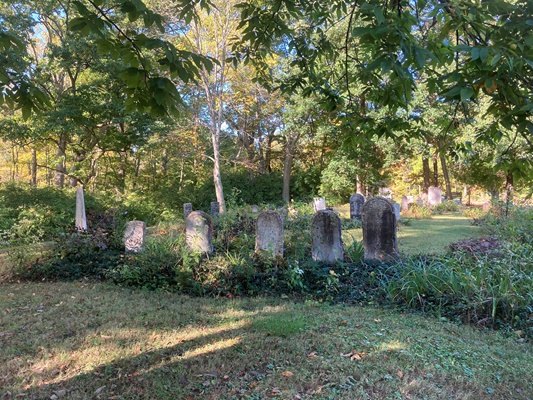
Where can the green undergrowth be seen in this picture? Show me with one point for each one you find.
(492, 289)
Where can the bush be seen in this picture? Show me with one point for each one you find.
(418, 212)
(447, 206)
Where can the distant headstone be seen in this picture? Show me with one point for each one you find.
(215, 208)
(379, 229)
(326, 237)
(396, 211)
(255, 209)
(187, 209)
(434, 195)
(356, 206)
(134, 236)
(487, 206)
(81, 219)
(199, 232)
(319, 204)
(405, 204)
(269, 233)
(410, 199)
(385, 192)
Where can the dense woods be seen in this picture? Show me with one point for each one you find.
(266, 101)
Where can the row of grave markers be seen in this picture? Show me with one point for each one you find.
(379, 216)
(379, 233)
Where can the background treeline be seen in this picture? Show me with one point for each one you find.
(236, 138)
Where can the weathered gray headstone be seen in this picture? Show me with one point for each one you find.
(396, 211)
(187, 209)
(215, 208)
(319, 204)
(434, 195)
(379, 229)
(255, 209)
(356, 206)
(326, 237)
(199, 232)
(385, 192)
(134, 236)
(81, 219)
(405, 204)
(269, 233)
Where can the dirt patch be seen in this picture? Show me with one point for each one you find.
(476, 246)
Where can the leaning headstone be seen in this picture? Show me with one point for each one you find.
(269, 233)
(81, 219)
(385, 192)
(255, 209)
(199, 232)
(379, 229)
(356, 206)
(215, 208)
(396, 211)
(134, 236)
(405, 204)
(319, 204)
(187, 209)
(434, 195)
(326, 237)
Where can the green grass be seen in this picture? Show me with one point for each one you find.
(83, 340)
(424, 236)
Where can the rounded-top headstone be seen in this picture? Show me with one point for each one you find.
(326, 237)
(319, 204)
(134, 236)
(405, 204)
(187, 209)
(356, 206)
(434, 195)
(199, 232)
(379, 229)
(269, 233)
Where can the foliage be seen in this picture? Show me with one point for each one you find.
(418, 211)
(447, 206)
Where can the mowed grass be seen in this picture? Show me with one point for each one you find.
(424, 236)
(93, 341)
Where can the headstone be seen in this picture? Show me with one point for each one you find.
(215, 208)
(326, 237)
(434, 195)
(187, 209)
(81, 219)
(199, 232)
(319, 204)
(396, 211)
(269, 233)
(410, 199)
(405, 204)
(255, 209)
(486, 206)
(385, 192)
(134, 236)
(379, 229)
(356, 206)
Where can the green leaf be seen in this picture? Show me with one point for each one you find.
(483, 53)
(495, 59)
(466, 93)
(474, 54)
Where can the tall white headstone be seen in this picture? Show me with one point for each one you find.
(81, 219)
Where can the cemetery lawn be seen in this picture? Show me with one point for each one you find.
(85, 340)
(427, 236)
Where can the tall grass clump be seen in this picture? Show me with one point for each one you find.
(447, 206)
(493, 291)
(418, 211)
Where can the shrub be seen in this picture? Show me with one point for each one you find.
(447, 206)
(418, 212)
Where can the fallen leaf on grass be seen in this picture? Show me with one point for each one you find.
(354, 355)
(400, 373)
(312, 354)
(287, 373)
(105, 337)
(99, 390)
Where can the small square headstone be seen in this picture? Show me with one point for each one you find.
(134, 236)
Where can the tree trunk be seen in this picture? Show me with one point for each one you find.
(435, 170)
(287, 166)
(33, 167)
(59, 178)
(425, 168)
(217, 177)
(444, 167)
